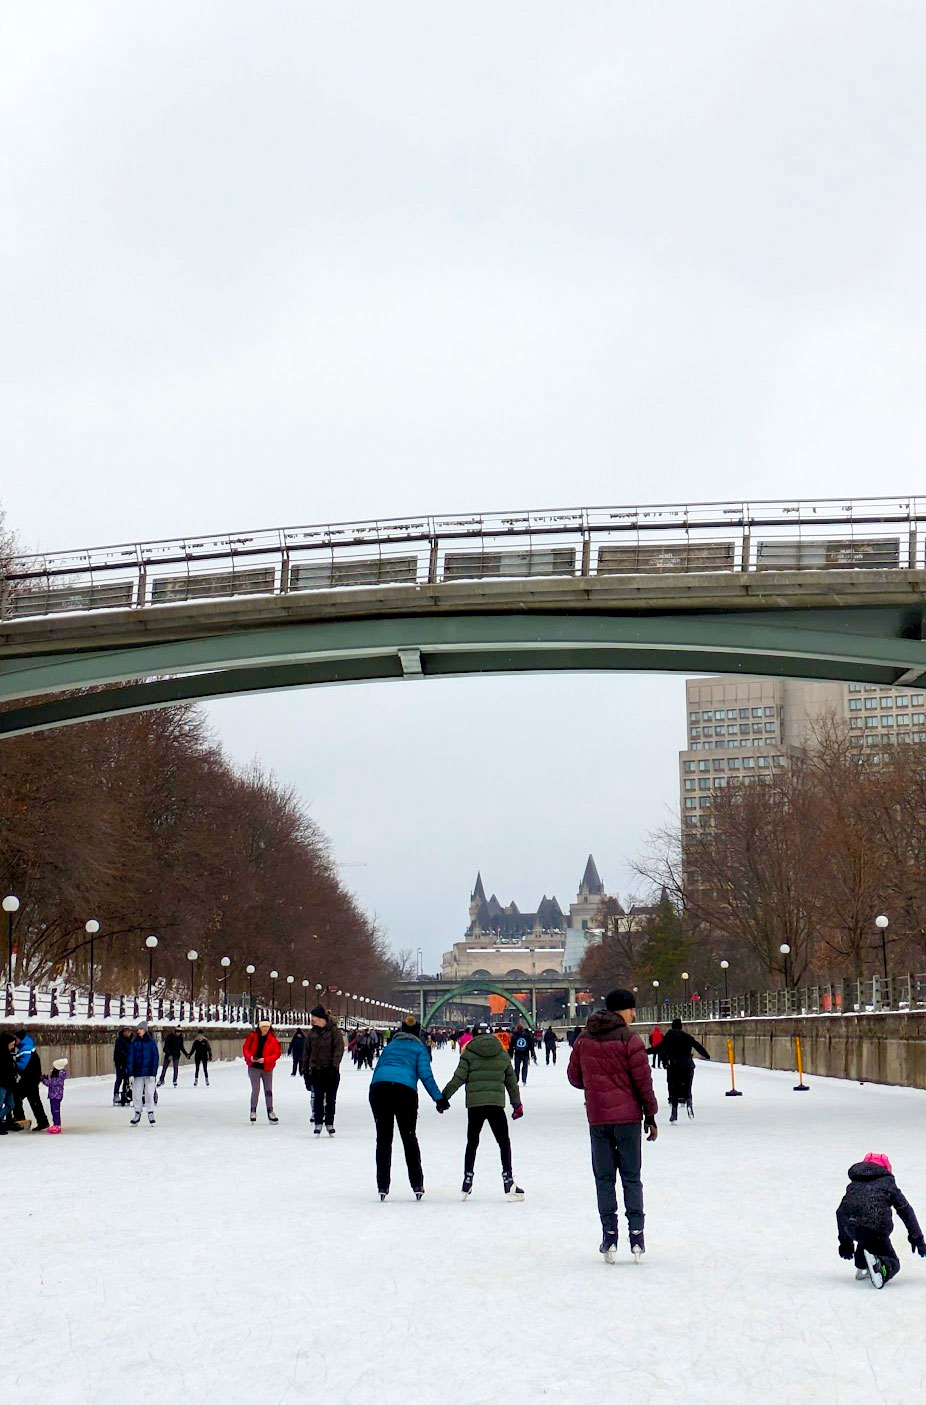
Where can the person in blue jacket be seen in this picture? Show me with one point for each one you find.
(29, 1074)
(403, 1063)
(141, 1067)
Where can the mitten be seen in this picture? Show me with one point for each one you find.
(846, 1251)
(443, 1104)
(517, 1112)
(650, 1128)
(918, 1246)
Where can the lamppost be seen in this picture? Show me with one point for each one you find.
(786, 952)
(150, 942)
(685, 979)
(318, 991)
(305, 1000)
(250, 971)
(10, 905)
(289, 982)
(225, 963)
(725, 966)
(419, 962)
(273, 991)
(192, 957)
(881, 923)
(91, 928)
(340, 995)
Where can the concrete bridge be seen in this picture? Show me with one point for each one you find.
(829, 590)
(433, 994)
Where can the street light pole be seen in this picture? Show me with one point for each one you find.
(225, 963)
(150, 942)
(191, 957)
(289, 982)
(685, 979)
(91, 928)
(786, 952)
(250, 971)
(725, 966)
(882, 925)
(10, 905)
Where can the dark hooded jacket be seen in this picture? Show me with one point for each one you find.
(610, 1063)
(866, 1206)
(677, 1046)
(486, 1071)
(324, 1048)
(121, 1050)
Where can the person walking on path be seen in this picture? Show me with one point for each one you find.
(122, 1090)
(296, 1049)
(522, 1046)
(324, 1050)
(549, 1043)
(676, 1052)
(485, 1071)
(54, 1082)
(865, 1222)
(261, 1050)
(610, 1064)
(142, 1067)
(201, 1054)
(394, 1103)
(29, 1075)
(173, 1048)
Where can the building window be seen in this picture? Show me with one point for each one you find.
(916, 699)
(731, 731)
(695, 746)
(689, 785)
(696, 731)
(704, 765)
(744, 729)
(688, 765)
(707, 717)
(694, 717)
(749, 763)
(691, 819)
(689, 802)
(720, 765)
(707, 731)
(757, 729)
(704, 784)
(757, 712)
(887, 702)
(871, 721)
(743, 712)
(919, 717)
(919, 736)
(887, 721)
(720, 781)
(903, 700)
(855, 687)
(855, 704)
(770, 726)
(770, 712)
(855, 721)
(903, 721)
(704, 802)
(870, 703)
(734, 763)
(779, 760)
(763, 760)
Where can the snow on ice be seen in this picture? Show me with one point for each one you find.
(211, 1260)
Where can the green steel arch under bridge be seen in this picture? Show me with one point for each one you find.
(433, 994)
(822, 589)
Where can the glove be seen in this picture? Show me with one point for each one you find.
(650, 1128)
(846, 1250)
(517, 1112)
(918, 1246)
(443, 1104)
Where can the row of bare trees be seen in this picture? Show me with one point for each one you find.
(805, 858)
(141, 823)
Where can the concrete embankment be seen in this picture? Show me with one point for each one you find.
(89, 1051)
(872, 1048)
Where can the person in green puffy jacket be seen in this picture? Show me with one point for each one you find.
(486, 1072)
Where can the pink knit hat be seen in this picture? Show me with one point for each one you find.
(879, 1159)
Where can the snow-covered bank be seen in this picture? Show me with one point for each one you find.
(231, 1263)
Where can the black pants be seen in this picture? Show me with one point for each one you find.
(200, 1066)
(679, 1076)
(394, 1104)
(169, 1059)
(551, 1053)
(522, 1061)
(882, 1248)
(324, 1085)
(297, 1060)
(476, 1118)
(29, 1092)
(122, 1088)
(617, 1150)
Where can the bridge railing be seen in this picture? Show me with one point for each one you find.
(651, 541)
(866, 995)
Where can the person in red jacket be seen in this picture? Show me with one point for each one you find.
(261, 1050)
(610, 1063)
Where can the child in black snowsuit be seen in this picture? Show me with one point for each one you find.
(865, 1222)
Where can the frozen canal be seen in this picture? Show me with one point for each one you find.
(211, 1261)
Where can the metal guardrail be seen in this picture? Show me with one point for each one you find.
(27, 1002)
(661, 539)
(851, 997)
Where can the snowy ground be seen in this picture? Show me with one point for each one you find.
(223, 1263)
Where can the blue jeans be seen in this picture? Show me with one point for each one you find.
(7, 1103)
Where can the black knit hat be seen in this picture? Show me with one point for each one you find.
(320, 1013)
(620, 999)
(410, 1025)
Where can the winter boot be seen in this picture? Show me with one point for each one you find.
(317, 1129)
(271, 1115)
(637, 1247)
(330, 1131)
(253, 1116)
(136, 1119)
(151, 1118)
(512, 1191)
(690, 1108)
(674, 1117)
(467, 1184)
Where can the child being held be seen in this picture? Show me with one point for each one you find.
(865, 1222)
(54, 1082)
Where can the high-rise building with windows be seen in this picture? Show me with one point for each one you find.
(744, 727)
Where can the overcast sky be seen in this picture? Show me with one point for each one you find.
(292, 262)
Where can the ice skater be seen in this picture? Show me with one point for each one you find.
(486, 1072)
(261, 1050)
(54, 1082)
(201, 1054)
(522, 1047)
(394, 1102)
(324, 1050)
(549, 1043)
(173, 1048)
(675, 1052)
(865, 1222)
(610, 1064)
(142, 1067)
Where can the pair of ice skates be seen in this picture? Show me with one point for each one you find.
(674, 1117)
(608, 1246)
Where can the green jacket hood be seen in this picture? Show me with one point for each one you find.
(485, 1045)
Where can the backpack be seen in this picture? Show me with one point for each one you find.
(520, 1042)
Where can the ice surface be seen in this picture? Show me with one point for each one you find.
(222, 1263)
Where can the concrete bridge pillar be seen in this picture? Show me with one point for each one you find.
(571, 993)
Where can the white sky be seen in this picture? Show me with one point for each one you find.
(302, 261)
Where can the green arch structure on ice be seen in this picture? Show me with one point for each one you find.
(476, 987)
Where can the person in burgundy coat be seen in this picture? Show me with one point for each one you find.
(610, 1063)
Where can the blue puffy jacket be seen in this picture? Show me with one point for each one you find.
(24, 1052)
(143, 1058)
(405, 1060)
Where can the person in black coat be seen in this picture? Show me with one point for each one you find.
(865, 1222)
(8, 1122)
(200, 1053)
(522, 1047)
(549, 1043)
(173, 1048)
(676, 1054)
(297, 1049)
(121, 1090)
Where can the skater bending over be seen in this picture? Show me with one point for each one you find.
(865, 1222)
(394, 1102)
(610, 1064)
(485, 1071)
(675, 1052)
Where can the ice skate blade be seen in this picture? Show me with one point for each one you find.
(637, 1255)
(609, 1256)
